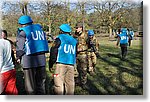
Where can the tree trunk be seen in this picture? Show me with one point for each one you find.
(24, 8)
(83, 14)
(110, 32)
(49, 26)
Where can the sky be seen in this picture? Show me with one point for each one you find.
(68, 0)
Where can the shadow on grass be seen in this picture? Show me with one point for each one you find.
(111, 88)
(105, 84)
(130, 66)
(49, 85)
(126, 60)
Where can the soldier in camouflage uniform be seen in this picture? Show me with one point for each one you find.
(92, 51)
(81, 55)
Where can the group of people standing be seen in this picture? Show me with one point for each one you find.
(31, 45)
(68, 51)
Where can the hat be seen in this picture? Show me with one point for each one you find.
(65, 28)
(25, 19)
(90, 32)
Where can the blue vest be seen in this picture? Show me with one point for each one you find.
(131, 34)
(35, 39)
(67, 49)
(123, 38)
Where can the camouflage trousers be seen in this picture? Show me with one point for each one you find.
(91, 61)
(82, 68)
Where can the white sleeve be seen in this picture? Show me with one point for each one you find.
(1, 58)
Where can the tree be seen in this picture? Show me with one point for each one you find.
(23, 7)
(98, 14)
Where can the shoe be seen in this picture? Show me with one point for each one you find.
(85, 87)
(77, 82)
(91, 73)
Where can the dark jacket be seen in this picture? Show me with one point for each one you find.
(37, 60)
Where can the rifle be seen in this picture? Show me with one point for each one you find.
(93, 48)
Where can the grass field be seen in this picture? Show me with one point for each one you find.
(113, 76)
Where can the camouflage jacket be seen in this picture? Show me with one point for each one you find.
(82, 46)
(93, 45)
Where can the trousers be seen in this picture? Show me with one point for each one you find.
(35, 80)
(8, 83)
(64, 79)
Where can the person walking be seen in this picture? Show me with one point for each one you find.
(63, 53)
(93, 51)
(131, 36)
(31, 48)
(123, 40)
(4, 36)
(7, 70)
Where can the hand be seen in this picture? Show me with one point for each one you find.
(18, 61)
(51, 69)
(98, 55)
(117, 46)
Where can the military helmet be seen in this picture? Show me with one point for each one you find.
(65, 28)
(25, 19)
(90, 32)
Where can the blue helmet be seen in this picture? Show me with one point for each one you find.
(124, 30)
(90, 32)
(65, 28)
(25, 19)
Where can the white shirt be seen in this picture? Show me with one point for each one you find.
(6, 63)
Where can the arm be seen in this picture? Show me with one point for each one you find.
(54, 52)
(129, 41)
(97, 49)
(1, 58)
(21, 38)
(118, 40)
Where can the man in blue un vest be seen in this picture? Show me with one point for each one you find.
(63, 52)
(123, 39)
(31, 48)
(131, 35)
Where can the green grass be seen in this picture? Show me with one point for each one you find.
(113, 76)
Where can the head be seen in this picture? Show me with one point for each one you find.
(79, 27)
(4, 34)
(123, 30)
(65, 28)
(24, 20)
(90, 34)
(119, 31)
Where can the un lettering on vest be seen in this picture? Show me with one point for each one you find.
(123, 37)
(38, 35)
(69, 49)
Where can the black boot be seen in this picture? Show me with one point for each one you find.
(85, 87)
